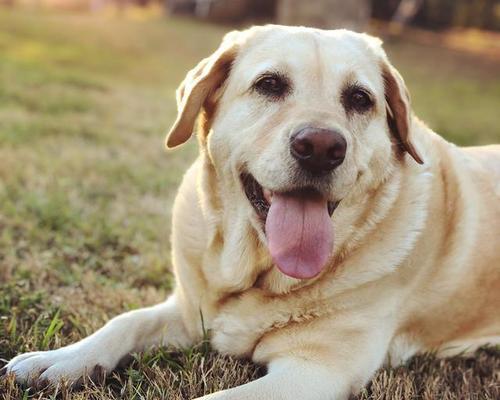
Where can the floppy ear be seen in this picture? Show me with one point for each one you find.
(199, 84)
(398, 109)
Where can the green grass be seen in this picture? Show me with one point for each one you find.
(86, 186)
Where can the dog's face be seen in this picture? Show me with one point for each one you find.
(296, 120)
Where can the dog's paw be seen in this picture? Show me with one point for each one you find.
(69, 364)
(230, 336)
(238, 327)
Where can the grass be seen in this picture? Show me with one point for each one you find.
(86, 189)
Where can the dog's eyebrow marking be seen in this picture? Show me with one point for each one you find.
(355, 77)
(269, 66)
(350, 79)
(266, 67)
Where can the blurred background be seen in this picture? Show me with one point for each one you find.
(87, 91)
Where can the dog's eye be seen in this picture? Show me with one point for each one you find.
(272, 85)
(360, 99)
(357, 99)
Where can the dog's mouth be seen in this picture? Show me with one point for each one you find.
(297, 225)
(261, 198)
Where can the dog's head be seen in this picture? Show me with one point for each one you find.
(294, 120)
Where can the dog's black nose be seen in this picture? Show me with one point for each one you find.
(318, 151)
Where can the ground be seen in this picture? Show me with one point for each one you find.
(86, 189)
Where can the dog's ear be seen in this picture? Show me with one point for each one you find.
(199, 84)
(398, 109)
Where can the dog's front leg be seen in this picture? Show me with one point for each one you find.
(133, 331)
(326, 359)
(288, 378)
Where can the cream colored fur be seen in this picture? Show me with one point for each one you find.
(416, 260)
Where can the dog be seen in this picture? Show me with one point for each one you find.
(323, 229)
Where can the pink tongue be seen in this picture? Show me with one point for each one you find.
(299, 234)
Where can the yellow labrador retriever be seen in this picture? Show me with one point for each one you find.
(323, 229)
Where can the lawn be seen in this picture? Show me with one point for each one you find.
(86, 188)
